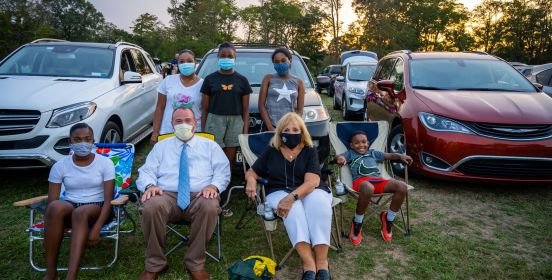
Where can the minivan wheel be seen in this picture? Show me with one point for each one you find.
(396, 144)
(111, 133)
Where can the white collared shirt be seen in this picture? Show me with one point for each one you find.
(207, 165)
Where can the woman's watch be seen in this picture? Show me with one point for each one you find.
(295, 196)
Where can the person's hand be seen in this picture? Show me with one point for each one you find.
(151, 192)
(406, 159)
(251, 188)
(153, 138)
(284, 206)
(209, 192)
(340, 160)
(93, 236)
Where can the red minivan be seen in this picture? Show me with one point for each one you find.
(467, 116)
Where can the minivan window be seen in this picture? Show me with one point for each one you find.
(254, 66)
(60, 61)
(397, 75)
(385, 69)
(467, 74)
(545, 77)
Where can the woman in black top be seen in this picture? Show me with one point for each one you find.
(295, 192)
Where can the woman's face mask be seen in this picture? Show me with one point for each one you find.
(184, 131)
(282, 68)
(82, 149)
(186, 69)
(226, 63)
(291, 140)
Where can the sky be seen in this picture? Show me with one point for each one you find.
(123, 12)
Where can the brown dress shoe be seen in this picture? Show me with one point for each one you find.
(199, 275)
(147, 275)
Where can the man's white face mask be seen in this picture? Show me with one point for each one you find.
(184, 131)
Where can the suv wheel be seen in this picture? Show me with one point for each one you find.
(396, 144)
(111, 133)
(335, 104)
(344, 112)
(331, 89)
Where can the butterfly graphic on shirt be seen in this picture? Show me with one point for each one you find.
(227, 87)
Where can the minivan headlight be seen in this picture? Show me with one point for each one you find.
(71, 114)
(314, 114)
(438, 123)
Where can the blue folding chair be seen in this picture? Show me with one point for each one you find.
(377, 132)
(122, 156)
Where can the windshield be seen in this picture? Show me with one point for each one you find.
(254, 66)
(60, 61)
(361, 72)
(467, 74)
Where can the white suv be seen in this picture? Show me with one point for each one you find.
(48, 85)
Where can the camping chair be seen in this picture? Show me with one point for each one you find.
(122, 155)
(252, 146)
(377, 136)
(173, 228)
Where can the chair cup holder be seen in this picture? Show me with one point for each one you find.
(271, 225)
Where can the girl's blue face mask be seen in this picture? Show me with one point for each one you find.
(282, 68)
(186, 69)
(226, 63)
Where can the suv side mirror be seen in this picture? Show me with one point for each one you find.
(131, 78)
(386, 85)
(323, 81)
(538, 86)
(340, 78)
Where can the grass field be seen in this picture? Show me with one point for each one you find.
(460, 231)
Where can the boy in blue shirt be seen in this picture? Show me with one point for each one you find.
(367, 181)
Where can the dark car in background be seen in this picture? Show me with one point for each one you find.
(254, 62)
(465, 116)
(331, 71)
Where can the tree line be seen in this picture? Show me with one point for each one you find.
(516, 30)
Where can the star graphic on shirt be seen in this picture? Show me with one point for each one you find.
(285, 93)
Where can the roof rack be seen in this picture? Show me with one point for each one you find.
(127, 44)
(46, 40)
(476, 52)
(259, 45)
(401, 51)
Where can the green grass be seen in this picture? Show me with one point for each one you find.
(459, 231)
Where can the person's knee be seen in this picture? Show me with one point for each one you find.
(208, 206)
(79, 216)
(366, 189)
(56, 209)
(152, 207)
(400, 187)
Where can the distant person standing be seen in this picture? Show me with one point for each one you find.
(174, 64)
(281, 92)
(226, 102)
(180, 90)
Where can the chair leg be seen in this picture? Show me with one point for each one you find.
(243, 221)
(335, 237)
(285, 258)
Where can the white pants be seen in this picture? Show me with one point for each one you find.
(310, 218)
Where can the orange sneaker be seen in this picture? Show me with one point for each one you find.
(386, 227)
(355, 234)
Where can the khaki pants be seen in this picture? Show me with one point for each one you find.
(160, 210)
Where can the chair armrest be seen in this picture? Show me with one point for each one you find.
(122, 200)
(30, 201)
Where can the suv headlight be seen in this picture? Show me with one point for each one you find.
(71, 114)
(438, 123)
(357, 91)
(315, 114)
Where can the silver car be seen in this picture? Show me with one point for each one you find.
(350, 89)
(542, 74)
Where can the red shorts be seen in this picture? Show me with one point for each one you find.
(378, 183)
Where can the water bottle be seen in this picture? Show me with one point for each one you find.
(268, 213)
(339, 188)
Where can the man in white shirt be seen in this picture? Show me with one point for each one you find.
(160, 179)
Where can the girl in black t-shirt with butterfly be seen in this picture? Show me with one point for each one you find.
(225, 102)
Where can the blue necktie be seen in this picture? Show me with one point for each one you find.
(183, 199)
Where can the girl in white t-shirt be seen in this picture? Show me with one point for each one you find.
(179, 90)
(88, 180)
